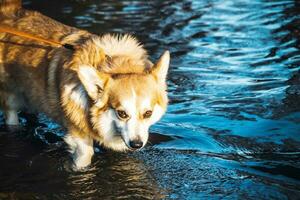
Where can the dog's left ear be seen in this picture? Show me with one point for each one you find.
(160, 69)
(92, 80)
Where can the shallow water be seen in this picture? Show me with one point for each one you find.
(232, 130)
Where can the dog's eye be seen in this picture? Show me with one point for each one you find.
(122, 114)
(147, 114)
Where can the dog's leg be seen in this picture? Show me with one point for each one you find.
(10, 105)
(11, 118)
(81, 149)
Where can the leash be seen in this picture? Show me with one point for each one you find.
(12, 31)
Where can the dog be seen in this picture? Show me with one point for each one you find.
(105, 89)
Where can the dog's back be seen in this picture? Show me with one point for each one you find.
(28, 61)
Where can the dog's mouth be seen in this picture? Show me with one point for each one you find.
(128, 147)
(118, 133)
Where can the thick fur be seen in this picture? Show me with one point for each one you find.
(81, 89)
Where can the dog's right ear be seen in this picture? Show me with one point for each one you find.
(92, 80)
(160, 69)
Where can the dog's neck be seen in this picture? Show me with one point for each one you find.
(125, 53)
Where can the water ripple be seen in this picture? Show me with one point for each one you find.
(233, 123)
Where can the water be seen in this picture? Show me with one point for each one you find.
(232, 130)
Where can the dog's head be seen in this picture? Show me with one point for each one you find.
(128, 96)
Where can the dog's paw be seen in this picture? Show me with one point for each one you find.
(81, 163)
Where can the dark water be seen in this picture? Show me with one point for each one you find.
(232, 130)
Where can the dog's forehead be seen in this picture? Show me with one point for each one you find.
(138, 84)
(137, 90)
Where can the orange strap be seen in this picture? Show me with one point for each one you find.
(9, 30)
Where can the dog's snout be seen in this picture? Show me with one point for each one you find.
(136, 144)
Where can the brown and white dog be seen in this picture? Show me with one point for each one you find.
(105, 90)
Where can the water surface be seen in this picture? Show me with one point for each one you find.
(232, 130)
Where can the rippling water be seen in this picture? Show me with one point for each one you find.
(232, 130)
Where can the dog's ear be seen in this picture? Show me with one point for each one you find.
(160, 69)
(92, 80)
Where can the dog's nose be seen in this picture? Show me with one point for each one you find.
(135, 144)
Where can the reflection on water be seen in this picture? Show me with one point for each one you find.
(32, 167)
(232, 129)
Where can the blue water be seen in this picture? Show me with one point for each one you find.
(232, 130)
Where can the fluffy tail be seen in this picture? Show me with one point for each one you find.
(10, 7)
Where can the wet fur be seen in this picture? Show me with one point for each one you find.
(35, 77)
